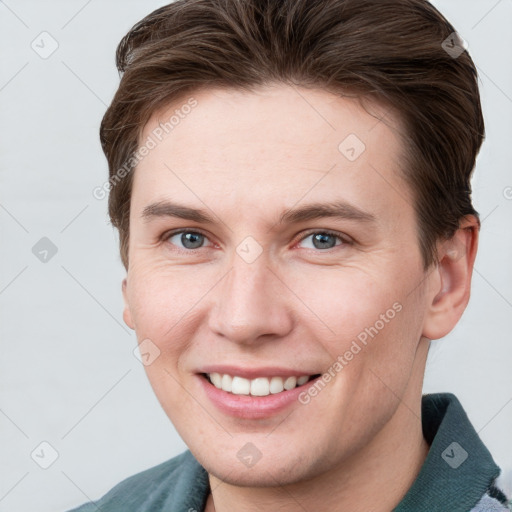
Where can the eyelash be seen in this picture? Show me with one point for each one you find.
(343, 238)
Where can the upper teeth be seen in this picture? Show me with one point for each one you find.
(261, 386)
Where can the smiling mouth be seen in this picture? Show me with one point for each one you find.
(260, 386)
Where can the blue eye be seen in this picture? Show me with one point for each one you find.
(188, 239)
(324, 239)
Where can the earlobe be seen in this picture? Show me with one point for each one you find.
(127, 316)
(451, 281)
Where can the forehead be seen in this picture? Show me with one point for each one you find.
(275, 146)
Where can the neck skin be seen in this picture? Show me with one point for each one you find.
(376, 478)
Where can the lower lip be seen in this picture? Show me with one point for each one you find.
(252, 407)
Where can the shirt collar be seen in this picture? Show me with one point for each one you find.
(458, 469)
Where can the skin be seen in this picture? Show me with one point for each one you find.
(245, 158)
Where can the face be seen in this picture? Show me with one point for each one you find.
(272, 237)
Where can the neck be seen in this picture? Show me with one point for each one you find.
(375, 478)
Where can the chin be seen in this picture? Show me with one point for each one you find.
(276, 470)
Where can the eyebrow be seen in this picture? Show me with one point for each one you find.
(337, 209)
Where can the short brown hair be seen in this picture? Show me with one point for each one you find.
(392, 50)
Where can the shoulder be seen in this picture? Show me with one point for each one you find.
(180, 483)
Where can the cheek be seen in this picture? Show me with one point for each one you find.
(346, 303)
(369, 318)
(389, 342)
(159, 295)
(161, 303)
(167, 304)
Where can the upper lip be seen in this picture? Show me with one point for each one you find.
(252, 373)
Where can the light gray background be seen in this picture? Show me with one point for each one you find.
(67, 372)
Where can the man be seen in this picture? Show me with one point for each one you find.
(291, 184)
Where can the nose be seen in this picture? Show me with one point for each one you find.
(251, 304)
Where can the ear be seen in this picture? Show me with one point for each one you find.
(127, 316)
(450, 281)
